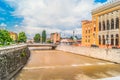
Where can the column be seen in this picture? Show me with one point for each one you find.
(101, 20)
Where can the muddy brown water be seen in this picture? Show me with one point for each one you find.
(59, 65)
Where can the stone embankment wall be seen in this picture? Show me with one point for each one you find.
(12, 59)
(105, 54)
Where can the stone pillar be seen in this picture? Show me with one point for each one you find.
(101, 20)
(105, 21)
(110, 21)
(115, 16)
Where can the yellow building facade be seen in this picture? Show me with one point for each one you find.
(106, 22)
(13, 36)
(87, 33)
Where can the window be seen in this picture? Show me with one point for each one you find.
(103, 40)
(89, 31)
(99, 26)
(112, 23)
(112, 36)
(108, 25)
(117, 23)
(103, 25)
(107, 37)
(99, 40)
(103, 36)
(94, 28)
(86, 31)
(117, 40)
(112, 40)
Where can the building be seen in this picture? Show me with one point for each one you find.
(87, 33)
(13, 36)
(55, 37)
(106, 22)
(66, 41)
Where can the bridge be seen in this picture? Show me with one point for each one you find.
(45, 46)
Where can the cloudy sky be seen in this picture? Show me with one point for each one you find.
(33, 16)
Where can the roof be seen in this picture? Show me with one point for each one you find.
(106, 6)
(66, 40)
(13, 33)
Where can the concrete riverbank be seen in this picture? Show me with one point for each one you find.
(12, 59)
(112, 55)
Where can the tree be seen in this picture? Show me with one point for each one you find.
(49, 41)
(5, 38)
(43, 36)
(37, 38)
(22, 37)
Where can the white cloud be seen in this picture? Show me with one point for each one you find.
(52, 15)
(3, 26)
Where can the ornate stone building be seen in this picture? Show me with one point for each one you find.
(106, 20)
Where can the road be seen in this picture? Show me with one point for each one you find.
(59, 65)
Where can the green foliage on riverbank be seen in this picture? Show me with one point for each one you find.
(43, 36)
(5, 38)
(37, 38)
(22, 37)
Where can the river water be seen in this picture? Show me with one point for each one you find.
(59, 65)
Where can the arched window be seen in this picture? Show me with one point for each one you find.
(99, 26)
(112, 23)
(112, 40)
(108, 25)
(99, 40)
(117, 23)
(103, 25)
(107, 37)
(103, 37)
(117, 40)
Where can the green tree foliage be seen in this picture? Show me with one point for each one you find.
(49, 41)
(43, 36)
(22, 37)
(5, 38)
(37, 38)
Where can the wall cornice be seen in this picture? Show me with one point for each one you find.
(106, 7)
